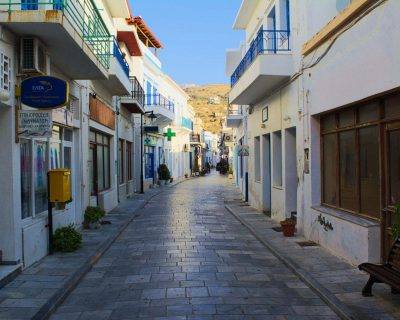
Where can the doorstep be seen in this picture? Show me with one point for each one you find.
(8, 273)
(337, 282)
(37, 291)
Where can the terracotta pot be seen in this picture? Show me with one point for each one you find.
(288, 228)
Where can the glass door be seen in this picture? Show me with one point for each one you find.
(392, 177)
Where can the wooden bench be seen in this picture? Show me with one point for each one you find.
(388, 273)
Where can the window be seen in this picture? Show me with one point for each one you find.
(350, 159)
(277, 158)
(37, 157)
(129, 160)
(121, 166)
(26, 179)
(100, 151)
(257, 162)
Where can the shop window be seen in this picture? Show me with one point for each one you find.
(330, 176)
(369, 170)
(392, 106)
(100, 153)
(26, 179)
(277, 158)
(40, 166)
(351, 156)
(38, 156)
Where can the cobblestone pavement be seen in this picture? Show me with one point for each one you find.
(187, 257)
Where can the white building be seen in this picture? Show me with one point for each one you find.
(167, 111)
(264, 62)
(94, 135)
(321, 84)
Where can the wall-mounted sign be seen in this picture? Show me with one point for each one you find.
(265, 114)
(44, 92)
(153, 129)
(35, 123)
(243, 150)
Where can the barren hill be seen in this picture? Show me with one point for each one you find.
(210, 103)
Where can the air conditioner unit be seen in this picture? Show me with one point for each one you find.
(33, 56)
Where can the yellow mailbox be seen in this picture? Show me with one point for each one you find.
(60, 185)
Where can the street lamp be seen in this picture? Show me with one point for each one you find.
(152, 117)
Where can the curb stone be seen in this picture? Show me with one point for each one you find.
(61, 294)
(330, 299)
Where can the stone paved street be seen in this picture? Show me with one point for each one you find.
(186, 257)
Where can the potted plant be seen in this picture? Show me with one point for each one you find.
(396, 223)
(92, 217)
(196, 169)
(288, 227)
(163, 173)
(67, 239)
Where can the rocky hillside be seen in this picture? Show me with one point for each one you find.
(210, 103)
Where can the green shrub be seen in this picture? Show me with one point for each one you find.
(93, 214)
(67, 239)
(163, 172)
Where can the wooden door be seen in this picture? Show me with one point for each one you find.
(392, 182)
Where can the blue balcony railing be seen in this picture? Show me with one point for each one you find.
(266, 41)
(187, 123)
(84, 17)
(160, 101)
(120, 57)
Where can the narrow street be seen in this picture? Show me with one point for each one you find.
(186, 257)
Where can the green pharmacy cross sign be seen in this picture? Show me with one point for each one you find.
(169, 134)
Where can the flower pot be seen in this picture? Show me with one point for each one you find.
(288, 227)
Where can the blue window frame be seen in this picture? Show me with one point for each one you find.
(288, 15)
(148, 93)
(58, 4)
(149, 162)
(29, 4)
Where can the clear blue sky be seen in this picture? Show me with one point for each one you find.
(195, 35)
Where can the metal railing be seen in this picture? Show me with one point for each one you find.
(266, 41)
(187, 123)
(159, 100)
(235, 111)
(83, 16)
(117, 53)
(137, 91)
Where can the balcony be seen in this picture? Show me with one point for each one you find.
(186, 123)
(162, 107)
(74, 33)
(118, 76)
(134, 102)
(234, 117)
(265, 66)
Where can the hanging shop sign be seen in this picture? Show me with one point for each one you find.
(150, 141)
(44, 92)
(35, 123)
(243, 150)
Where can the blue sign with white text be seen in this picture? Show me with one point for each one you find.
(44, 92)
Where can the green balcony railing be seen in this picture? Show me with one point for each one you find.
(82, 14)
